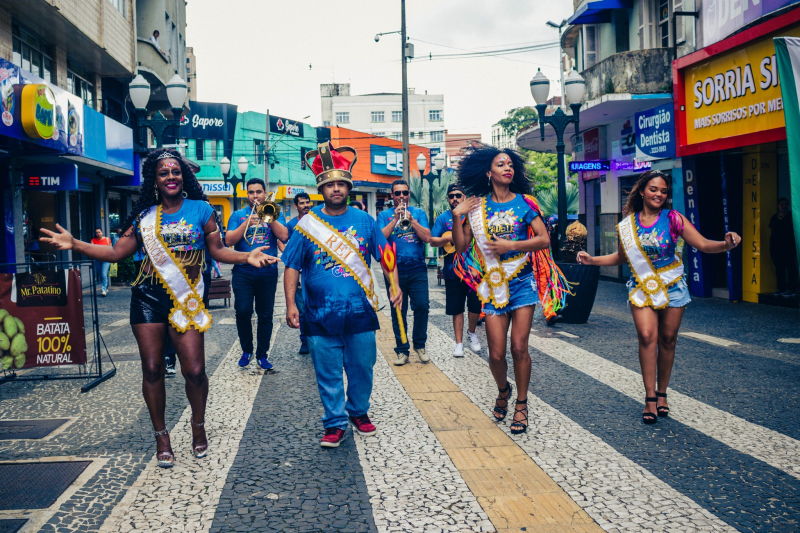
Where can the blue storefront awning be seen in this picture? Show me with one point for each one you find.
(597, 12)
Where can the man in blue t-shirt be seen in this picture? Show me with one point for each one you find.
(244, 233)
(340, 318)
(456, 291)
(407, 227)
(303, 204)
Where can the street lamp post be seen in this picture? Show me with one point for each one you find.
(437, 165)
(574, 86)
(140, 94)
(225, 167)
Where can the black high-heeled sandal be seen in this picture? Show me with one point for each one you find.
(649, 418)
(501, 412)
(521, 424)
(166, 459)
(662, 410)
(199, 450)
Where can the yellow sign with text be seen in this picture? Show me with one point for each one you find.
(735, 93)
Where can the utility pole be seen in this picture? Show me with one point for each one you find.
(406, 158)
(266, 157)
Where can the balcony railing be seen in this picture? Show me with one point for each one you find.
(633, 72)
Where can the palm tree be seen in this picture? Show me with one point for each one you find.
(548, 200)
(419, 192)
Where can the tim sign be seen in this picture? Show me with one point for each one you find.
(51, 177)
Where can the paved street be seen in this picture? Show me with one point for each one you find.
(725, 460)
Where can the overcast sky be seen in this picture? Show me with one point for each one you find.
(256, 53)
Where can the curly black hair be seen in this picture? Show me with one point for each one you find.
(635, 201)
(473, 167)
(147, 196)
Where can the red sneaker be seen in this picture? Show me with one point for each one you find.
(363, 426)
(333, 437)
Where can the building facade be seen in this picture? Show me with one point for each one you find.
(381, 114)
(191, 74)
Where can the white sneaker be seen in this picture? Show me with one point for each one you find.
(104, 293)
(459, 351)
(474, 343)
(401, 359)
(423, 357)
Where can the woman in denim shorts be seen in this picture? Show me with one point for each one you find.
(658, 229)
(499, 177)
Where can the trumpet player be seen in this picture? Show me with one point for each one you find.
(456, 290)
(246, 231)
(407, 227)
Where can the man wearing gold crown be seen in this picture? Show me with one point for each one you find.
(332, 246)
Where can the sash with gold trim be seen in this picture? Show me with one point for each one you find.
(652, 283)
(187, 299)
(496, 274)
(339, 247)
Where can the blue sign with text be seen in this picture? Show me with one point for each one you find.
(386, 160)
(700, 275)
(655, 133)
(588, 166)
(51, 177)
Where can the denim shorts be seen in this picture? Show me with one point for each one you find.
(678, 293)
(522, 293)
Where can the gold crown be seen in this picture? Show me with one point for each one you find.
(328, 164)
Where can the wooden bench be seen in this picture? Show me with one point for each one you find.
(220, 289)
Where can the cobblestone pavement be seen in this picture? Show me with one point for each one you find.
(725, 460)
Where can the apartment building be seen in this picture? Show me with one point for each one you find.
(191, 74)
(381, 114)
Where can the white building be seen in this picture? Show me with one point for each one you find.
(382, 114)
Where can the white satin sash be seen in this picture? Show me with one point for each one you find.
(496, 274)
(187, 299)
(339, 247)
(652, 284)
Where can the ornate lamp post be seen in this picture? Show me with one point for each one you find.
(574, 86)
(139, 90)
(438, 165)
(225, 167)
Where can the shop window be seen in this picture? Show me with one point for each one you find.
(343, 117)
(78, 83)
(377, 116)
(397, 116)
(32, 54)
(435, 115)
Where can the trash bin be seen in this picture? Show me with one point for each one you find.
(583, 279)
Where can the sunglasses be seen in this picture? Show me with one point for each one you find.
(456, 195)
(401, 193)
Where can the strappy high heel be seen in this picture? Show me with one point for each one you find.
(662, 410)
(166, 459)
(649, 418)
(522, 425)
(501, 412)
(199, 450)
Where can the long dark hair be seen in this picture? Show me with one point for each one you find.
(635, 201)
(472, 169)
(147, 196)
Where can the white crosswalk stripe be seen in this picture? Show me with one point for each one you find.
(771, 447)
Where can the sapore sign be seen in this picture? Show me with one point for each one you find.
(735, 93)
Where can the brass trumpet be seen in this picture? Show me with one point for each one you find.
(404, 223)
(266, 212)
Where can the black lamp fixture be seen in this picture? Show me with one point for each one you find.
(139, 90)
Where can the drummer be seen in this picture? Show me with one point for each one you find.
(456, 290)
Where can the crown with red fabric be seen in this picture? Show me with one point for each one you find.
(328, 163)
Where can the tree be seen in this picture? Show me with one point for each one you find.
(517, 120)
(548, 200)
(543, 169)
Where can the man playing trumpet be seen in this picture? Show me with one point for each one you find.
(407, 226)
(247, 231)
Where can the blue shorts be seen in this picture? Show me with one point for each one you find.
(522, 293)
(678, 293)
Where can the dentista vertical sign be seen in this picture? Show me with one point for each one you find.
(735, 93)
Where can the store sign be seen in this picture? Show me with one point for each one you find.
(632, 166)
(721, 18)
(591, 144)
(282, 126)
(38, 111)
(220, 188)
(41, 315)
(735, 93)
(290, 191)
(385, 160)
(697, 272)
(623, 141)
(655, 133)
(587, 166)
(208, 121)
(51, 177)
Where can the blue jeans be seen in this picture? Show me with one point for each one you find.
(415, 287)
(301, 308)
(246, 288)
(102, 273)
(356, 353)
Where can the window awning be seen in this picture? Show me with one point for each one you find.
(597, 12)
